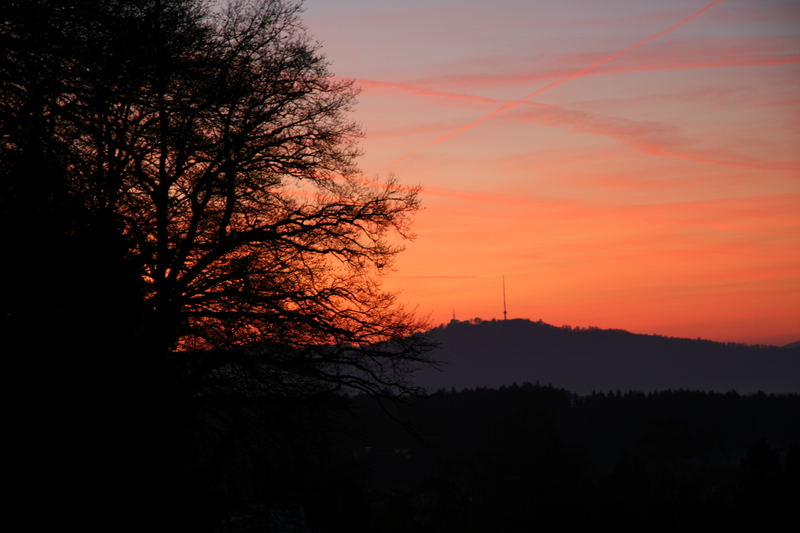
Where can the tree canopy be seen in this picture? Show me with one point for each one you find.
(200, 164)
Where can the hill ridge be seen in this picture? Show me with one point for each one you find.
(494, 353)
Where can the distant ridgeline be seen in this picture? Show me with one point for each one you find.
(496, 353)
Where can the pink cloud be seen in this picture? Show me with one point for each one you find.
(647, 137)
(573, 75)
(421, 91)
(430, 128)
(641, 65)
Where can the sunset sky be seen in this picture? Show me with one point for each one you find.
(643, 172)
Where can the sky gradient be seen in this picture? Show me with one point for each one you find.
(624, 164)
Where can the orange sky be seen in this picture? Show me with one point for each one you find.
(624, 164)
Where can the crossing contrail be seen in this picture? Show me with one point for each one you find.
(577, 74)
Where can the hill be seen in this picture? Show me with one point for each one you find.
(497, 353)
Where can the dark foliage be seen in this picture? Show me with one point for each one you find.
(184, 227)
(527, 457)
(203, 162)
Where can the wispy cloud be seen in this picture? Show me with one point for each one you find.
(573, 75)
(746, 59)
(651, 138)
(648, 137)
(438, 277)
(422, 91)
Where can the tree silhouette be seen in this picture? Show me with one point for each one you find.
(184, 228)
(210, 156)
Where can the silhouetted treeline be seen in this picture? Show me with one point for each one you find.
(515, 459)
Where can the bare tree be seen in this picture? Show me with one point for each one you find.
(184, 228)
(216, 145)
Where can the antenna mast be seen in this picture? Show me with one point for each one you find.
(505, 311)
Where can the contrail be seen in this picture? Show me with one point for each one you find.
(577, 74)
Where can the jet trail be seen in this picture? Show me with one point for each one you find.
(577, 74)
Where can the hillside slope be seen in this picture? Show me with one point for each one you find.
(497, 353)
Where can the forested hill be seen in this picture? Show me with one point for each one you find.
(496, 353)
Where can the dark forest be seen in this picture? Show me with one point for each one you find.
(520, 458)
